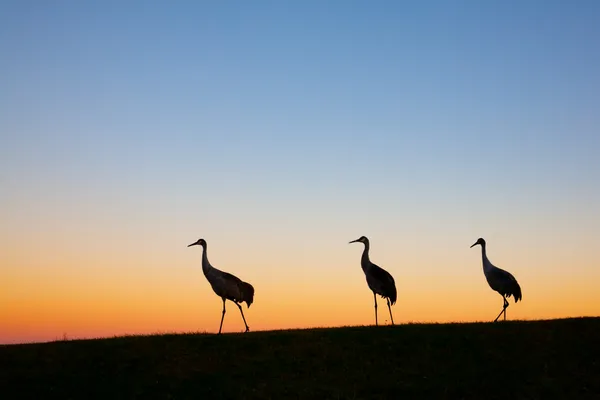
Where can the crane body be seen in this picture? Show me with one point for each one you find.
(379, 280)
(499, 280)
(226, 285)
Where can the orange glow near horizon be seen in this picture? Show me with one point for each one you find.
(78, 298)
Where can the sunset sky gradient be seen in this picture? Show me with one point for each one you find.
(279, 132)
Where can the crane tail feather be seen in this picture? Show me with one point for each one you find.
(517, 292)
(247, 293)
(393, 296)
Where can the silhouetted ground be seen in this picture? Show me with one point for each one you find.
(556, 359)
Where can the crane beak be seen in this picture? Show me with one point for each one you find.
(193, 244)
(354, 241)
(474, 244)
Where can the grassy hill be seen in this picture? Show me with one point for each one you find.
(513, 360)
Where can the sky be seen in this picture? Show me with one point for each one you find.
(279, 132)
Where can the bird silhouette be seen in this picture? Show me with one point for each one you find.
(379, 280)
(225, 285)
(499, 280)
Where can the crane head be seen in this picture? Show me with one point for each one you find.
(479, 241)
(199, 242)
(362, 239)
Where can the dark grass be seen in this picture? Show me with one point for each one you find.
(557, 359)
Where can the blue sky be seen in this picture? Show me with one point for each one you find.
(416, 85)
(246, 120)
(306, 97)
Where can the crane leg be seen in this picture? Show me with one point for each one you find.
(375, 298)
(504, 307)
(244, 318)
(501, 312)
(390, 308)
(222, 316)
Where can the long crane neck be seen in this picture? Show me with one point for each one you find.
(484, 259)
(364, 260)
(206, 267)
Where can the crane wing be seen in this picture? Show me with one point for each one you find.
(382, 282)
(507, 284)
(231, 278)
(235, 289)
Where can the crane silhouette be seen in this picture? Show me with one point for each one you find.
(379, 280)
(225, 285)
(499, 280)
